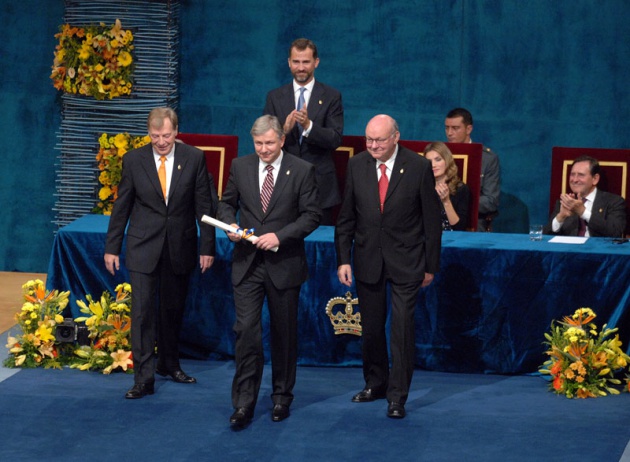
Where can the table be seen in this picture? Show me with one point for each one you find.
(487, 310)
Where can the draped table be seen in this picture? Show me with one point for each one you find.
(486, 311)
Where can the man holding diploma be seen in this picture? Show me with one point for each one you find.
(274, 193)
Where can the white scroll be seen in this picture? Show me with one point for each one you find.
(245, 233)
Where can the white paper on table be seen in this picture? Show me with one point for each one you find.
(231, 229)
(568, 239)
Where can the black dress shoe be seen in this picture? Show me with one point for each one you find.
(368, 394)
(178, 375)
(140, 390)
(241, 417)
(280, 412)
(396, 411)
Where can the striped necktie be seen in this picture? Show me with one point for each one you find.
(267, 188)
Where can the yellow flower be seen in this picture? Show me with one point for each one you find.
(58, 318)
(84, 53)
(103, 140)
(103, 178)
(124, 59)
(45, 333)
(104, 193)
(121, 141)
(122, 359)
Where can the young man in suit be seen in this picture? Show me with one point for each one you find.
(274, 193)
(587, 211)
(390, 224)
(314, 126)
(458, 126)
(164, 191)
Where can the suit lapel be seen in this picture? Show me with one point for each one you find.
(397, 173)
(148, 163)
(372, 178)
(179, 163)
(316, 101)
(282, 176)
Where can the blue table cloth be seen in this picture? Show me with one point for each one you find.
(487, 310)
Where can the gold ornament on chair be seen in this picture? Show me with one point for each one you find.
(346, 321)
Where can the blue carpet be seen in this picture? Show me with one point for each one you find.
(71, 415)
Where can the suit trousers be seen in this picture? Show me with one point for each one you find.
(373, 307)
(249, 297)
(157, 307)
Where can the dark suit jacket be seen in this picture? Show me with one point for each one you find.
(293, 213)
(325, 111)
(608, 218)
(140, 202)
(406, 237)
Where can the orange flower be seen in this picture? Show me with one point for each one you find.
(556, 369)
(583, 393)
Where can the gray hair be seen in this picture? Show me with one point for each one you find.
(159, 114)
(265, 123)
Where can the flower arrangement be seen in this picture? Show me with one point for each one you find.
(94, 61)
(109, 326)
(107, 322)
(582, 360)
(109, 157)
(37, 346)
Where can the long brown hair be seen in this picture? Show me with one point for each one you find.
(451, 171)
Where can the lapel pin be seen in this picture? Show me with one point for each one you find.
(179, 167)
(601, 210)
(288, 172)
(402, 170)
(321, 102)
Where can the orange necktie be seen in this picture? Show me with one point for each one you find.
(162, 174)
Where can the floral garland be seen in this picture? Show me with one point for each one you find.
(109, 157)
(94, 61)
(107, 322)
(582, 361)
(38, 319)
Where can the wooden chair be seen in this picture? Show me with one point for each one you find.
(614, 172)
(220, 150)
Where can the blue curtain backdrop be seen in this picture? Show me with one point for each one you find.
(534, 74)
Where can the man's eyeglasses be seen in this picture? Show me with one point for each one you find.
(378, 141)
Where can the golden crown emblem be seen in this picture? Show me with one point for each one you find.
(344, 321)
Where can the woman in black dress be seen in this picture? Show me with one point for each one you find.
(454, 194)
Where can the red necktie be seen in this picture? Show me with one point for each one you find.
(383, 183)
(267, 188)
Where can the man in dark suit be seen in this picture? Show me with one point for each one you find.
(587, 211)
(313, 130)
(281, 205)
(396, 242)
(164, 191)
